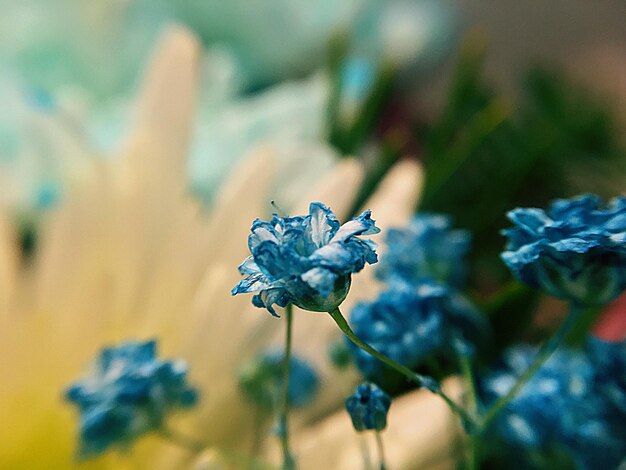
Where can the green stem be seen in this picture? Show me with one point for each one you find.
(381, 450)
(544, 353)
(481, 126)
(288, 462)
(189, 443)
(421, 380)
(466, 369)
(257, 433)
(474, 455)
(365, 452)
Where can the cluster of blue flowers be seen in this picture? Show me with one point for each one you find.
(368, 407)
(574, 406)
(421, 313)
(427, 249)
(576, 250)
(127, 393)
(411, 323)
(305, 260)
(261, 381)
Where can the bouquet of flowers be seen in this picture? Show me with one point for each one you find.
(396, 319)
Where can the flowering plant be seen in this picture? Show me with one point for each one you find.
(443, 357)
(127, 393)
(306, 260)
(576, 250)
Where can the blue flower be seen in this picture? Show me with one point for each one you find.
(261, 381)
(411, 323)
(127, 393)
(609, 359)
(575, 250)
(339, 354)
(368, 407)
(426, 249)
(306, 260)
(560, 410)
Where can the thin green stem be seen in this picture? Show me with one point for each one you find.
(189, 443)
(288, 462)
(257, 432)
(381, 450)
(543, 354)
(481, 126)
(474, 450)
(365, 452)
(421, 380)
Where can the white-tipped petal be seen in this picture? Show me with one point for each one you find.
(165, 111)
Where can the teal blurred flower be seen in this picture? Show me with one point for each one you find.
(609, 359)
(408, 34)
(576, 250)
(428, 248)
(368, 407)
(563, 409)
(412, 323)
(261, 381)
(305, 260)
(127, 393)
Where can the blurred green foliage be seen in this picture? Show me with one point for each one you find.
(484, 156)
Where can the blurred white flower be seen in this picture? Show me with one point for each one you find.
(129, 255)
(40, 150)
(69, 67)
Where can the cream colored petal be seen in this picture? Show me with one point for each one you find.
(422, 433)
(337, 189)
(394, 201)
(8, 266)
(392, 205)
(243, 198)
(165, 111)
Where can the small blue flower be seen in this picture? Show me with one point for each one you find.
(127, 393)
(356, 77)
(411, 323)
(306, 260)
(261, 381)
(368, 407)
(339, 354)
(609, 359)
(575, 250)
(561, 409)
(426, 249)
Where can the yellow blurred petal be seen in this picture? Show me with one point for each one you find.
(394, 201)
(165, 111)
(392, 205)
(422, 433)
(8, 267)
(336, 189)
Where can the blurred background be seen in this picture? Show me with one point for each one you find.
(82, 63)
(113, 109)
